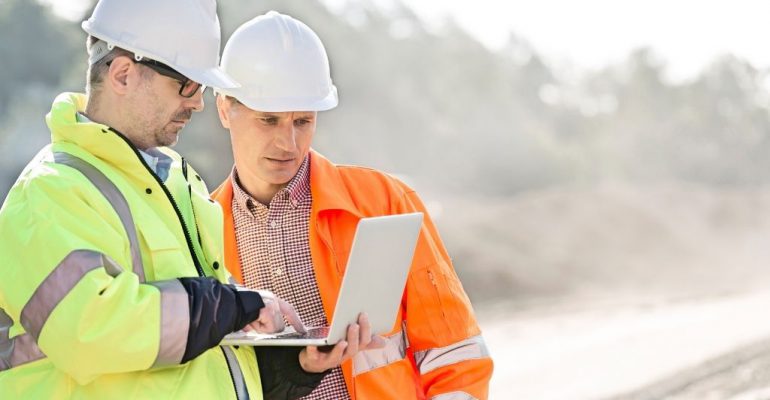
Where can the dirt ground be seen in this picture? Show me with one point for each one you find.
(743, 374)
(696, 348)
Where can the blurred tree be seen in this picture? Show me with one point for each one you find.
(37, 49)
(712, 130)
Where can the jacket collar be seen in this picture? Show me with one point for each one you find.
(97, 139)
(327, 186)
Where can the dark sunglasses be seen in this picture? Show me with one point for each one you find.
(189, 87)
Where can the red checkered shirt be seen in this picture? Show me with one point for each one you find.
(274, 251)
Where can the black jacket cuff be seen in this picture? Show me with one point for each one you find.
(216, 309)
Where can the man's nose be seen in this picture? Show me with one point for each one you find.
(195, 102)
(286, 138)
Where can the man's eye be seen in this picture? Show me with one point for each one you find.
(269, 121)
(301, 122)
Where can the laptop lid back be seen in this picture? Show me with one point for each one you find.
(376, 272)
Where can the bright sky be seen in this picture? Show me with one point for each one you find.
(688, 34)
(591, 33)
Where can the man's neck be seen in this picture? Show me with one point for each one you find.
(92, 111)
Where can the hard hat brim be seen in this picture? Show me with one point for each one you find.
(285, 104)
(214, 77)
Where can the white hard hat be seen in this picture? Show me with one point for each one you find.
(281, 65)
(183, 34)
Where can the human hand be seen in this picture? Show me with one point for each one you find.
(270, 318)
(359, 338)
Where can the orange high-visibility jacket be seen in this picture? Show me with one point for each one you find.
(435, 349)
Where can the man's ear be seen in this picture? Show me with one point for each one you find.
(119, 74)
(223, 109)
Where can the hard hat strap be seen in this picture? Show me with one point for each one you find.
(98, 51)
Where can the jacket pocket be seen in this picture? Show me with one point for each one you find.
(437, 308)
(162, 252)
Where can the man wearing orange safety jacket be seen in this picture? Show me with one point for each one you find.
(290, 216)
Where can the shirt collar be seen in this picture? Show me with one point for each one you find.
(298, 188)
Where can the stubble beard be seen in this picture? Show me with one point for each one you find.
(168, 134)
(152, 125)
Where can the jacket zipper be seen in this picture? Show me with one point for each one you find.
(192, 206)
(187, 237)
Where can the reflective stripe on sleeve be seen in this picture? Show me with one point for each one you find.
(115, 198)
(17, 351)
(57, 284)
(23, 350)
(6, 345)
(469, 349)
(174, 322)
(453, 396)
(394, 350)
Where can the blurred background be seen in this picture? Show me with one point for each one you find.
(599, 170)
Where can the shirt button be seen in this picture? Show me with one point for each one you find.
(274, 224)
(278, 271)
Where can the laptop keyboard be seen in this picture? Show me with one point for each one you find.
(321, 332)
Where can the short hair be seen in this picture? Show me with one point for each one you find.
(232, 100)
(96, 71)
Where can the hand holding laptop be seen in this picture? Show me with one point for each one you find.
(359, 338)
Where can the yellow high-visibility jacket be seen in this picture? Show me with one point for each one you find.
(94, 307)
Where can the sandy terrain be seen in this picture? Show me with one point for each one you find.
(604, 349)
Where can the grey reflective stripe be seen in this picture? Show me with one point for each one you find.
(394, 350)
(6, 345)
(174, 322)
(17, 351)
(468, 349)
(115, 198)
(55, 286)
(23, 349)
(453, 396)
(111, 267)
(241, 392)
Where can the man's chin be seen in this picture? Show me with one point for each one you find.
(281, 178)
(170, 135)
(169, 138)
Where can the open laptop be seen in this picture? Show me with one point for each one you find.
(374, 281)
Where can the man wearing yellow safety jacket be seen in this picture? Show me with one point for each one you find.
(113, 284)
(291, 214)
